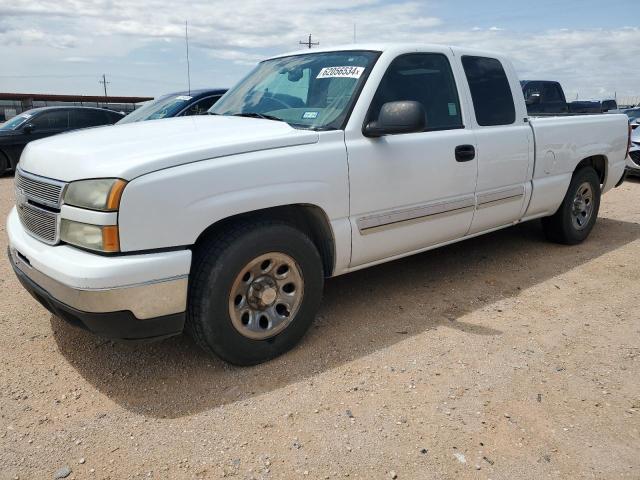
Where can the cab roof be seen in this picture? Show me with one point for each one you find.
(392, 48)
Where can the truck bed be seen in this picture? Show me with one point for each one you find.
(561, 142)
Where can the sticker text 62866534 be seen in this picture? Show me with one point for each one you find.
(341, 72)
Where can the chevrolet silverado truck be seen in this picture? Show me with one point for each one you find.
(314, 165)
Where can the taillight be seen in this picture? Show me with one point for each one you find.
(628, 143)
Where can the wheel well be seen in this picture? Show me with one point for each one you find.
(310, 219)
(598, 163)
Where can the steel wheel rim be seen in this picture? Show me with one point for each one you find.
(266, 295)
(582, 207)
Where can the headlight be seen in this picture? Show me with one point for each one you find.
(103, 238)
(102, 194)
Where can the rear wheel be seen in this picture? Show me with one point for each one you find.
(254, 292)
(577, 215)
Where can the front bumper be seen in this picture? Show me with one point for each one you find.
(128, 297)
(121, 324)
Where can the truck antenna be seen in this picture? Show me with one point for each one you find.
(186, 39)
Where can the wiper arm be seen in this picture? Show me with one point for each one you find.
(258, 115)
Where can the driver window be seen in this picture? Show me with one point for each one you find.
(425, 78)
(201, 107)
(52, 120)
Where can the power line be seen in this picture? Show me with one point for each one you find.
(104, 84)
(309, 43)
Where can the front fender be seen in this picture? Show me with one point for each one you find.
(172, 207)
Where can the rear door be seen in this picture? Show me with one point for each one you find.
(409, 191)
(85, 118)
(504, 142)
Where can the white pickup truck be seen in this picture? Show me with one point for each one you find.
(315, 165)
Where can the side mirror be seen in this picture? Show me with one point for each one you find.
(28, 128)
(534, 99)
(396, 118)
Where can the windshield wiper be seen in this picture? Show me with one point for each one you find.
(258, 115)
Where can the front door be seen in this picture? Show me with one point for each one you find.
(409, 191)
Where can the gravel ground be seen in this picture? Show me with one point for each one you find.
(502, 357)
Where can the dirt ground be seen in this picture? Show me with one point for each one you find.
(502, 357)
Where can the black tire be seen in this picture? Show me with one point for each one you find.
(5, 164)
(560, 227)
(218, 262)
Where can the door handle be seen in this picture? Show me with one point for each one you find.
(465, 153)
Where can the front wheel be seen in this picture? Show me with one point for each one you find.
(254, 292)
(577, 215)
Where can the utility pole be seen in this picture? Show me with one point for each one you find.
(186, 39)
(309, 43)
(104, 83)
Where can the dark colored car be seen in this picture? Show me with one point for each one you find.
(178, 104)
(585, 106)
(44, 122)
(543, 96)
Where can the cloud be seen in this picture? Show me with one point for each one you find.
(239, 33)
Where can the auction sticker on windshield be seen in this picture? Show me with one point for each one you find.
(341, 72)
(183, 97)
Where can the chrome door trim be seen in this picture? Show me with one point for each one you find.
(418, 213)
(499, 197)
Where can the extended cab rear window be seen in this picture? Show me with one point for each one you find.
(490, 91)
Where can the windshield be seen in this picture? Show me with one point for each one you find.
(314, 90)
(15, 122)
(163, 107)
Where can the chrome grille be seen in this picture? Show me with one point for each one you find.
(40, 223)
(39, 189)
(38, 201)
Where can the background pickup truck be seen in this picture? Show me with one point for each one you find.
(544, 96)
(315, 165)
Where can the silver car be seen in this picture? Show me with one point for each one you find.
(633, 160)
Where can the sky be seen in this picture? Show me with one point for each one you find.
(64, 46)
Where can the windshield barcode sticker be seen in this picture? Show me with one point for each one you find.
(341, 72)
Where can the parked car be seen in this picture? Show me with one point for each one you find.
(633, 160)
(179, 104)
(315, 165)
(543, 96)
(608, 105)
(44, 122)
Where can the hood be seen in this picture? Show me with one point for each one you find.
(130, 150)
